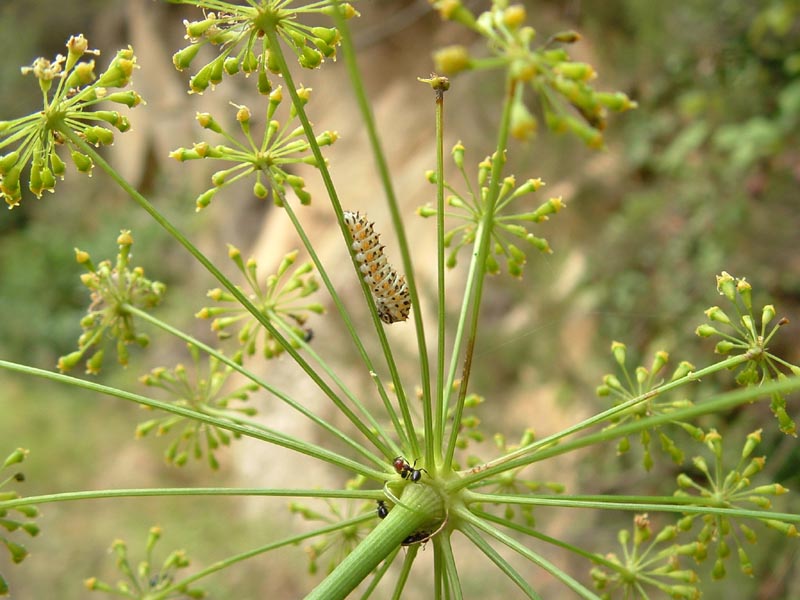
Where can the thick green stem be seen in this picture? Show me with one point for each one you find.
(421, 508)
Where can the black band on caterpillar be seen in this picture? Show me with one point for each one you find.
(388, 288)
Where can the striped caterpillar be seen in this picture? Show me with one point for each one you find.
(388, 288)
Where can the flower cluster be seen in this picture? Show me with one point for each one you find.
(549, 72)
(729, 489)
(141, 581)
(281, 146)
(647, 561)
(282, 298)
(511, 483)
(206, 393)
(641, 383)
(17, 551)
(113, 288)
(68, 111)
(473, 207)
(340, 541)
(240, 34)
(751, 339)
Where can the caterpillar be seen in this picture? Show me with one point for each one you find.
(388, 288)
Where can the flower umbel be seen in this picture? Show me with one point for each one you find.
(557, 80)
(280, 147)
(11, 524)
(510, 482)
(729, 489)
(239, 33)
(341, 541)
(112, 287)
(207, 394)
(141, 581)
(68, 108)
(752, 340)
(471, 208)
(282, 298)
(641, 383)
(647, 562)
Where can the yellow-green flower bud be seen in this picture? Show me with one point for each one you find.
(715, 313)
(514, 16)
(260, 191)
(345, 9)
(201, 80)
(575, 71)
(82, 162)
(231, 65)
(195, 29)
(206, 121)
(68, 362)
(310, 58)
(250, 62)
(204, 199)
(119, 72)
(452, 59)
(726, 286)
(767, 314)
(82, 74)
(327, 138)
(263, 85)
(523, 124)
(17, 456)
(618, 350)
(705, 331)
(8, 161)
(724, 347)
(616, 101)
(183, 58)
(95, 363)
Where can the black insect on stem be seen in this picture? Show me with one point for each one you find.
(407, 471)
(383, 510)
(418, 537)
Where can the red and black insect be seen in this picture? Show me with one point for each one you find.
(407, 471)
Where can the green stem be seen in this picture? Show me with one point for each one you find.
(534, 533)
(394, 451)
(265, 435)
(202, 259)
(420, 504)
(164, 492)
(683, 505)
(473, 536)
(380, 572)
(273, 390)
(483, 243)
(397, 222)
(280, 60)
(293, 540)
(440, 408)
(535, 558)
(727, 401)
(405, 573)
